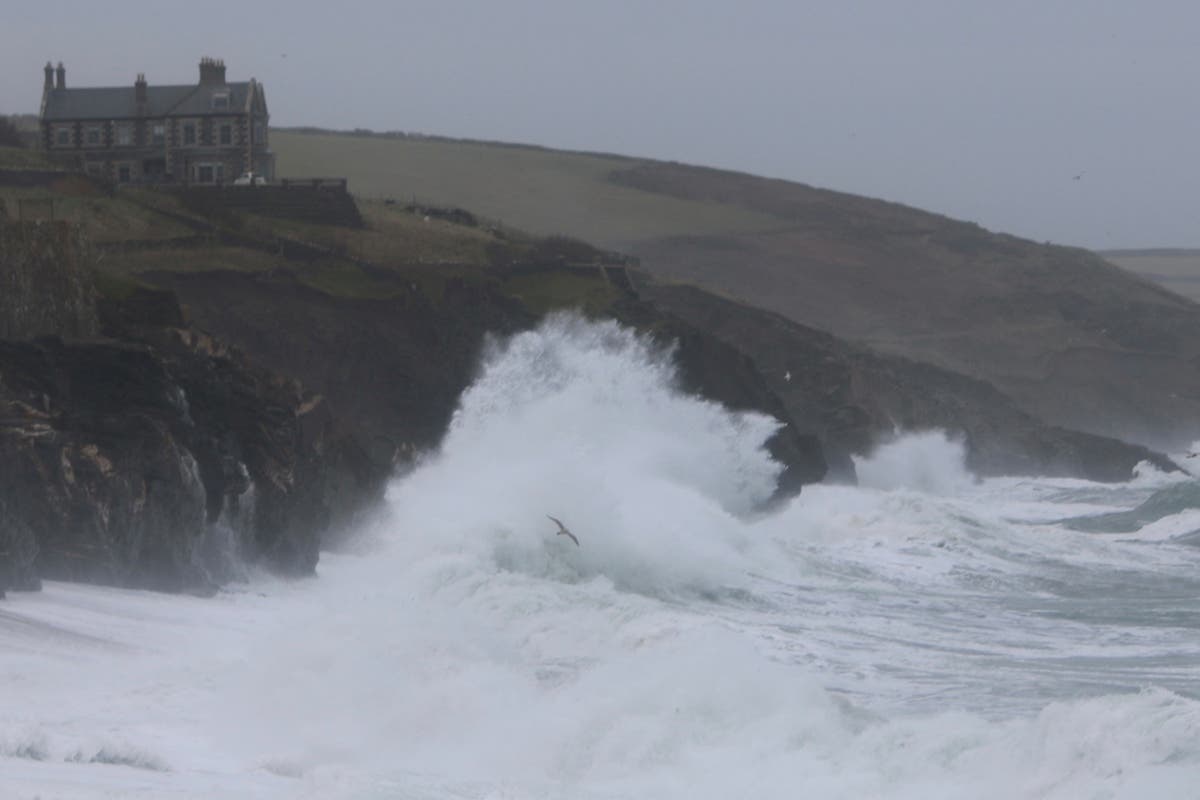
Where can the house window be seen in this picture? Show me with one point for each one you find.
(124, 174)
(124, 134)
(210, 173)
(260, 133)
(62, 137)
(158, 133)
(220, 101)
(226, 133)
(189, 133)
(91, 135)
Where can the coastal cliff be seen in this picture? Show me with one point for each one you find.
(154, 456)
(207, 401)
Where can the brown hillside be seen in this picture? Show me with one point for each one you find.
(1070, 337)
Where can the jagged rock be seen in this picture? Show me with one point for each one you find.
(126, 462)
(393, 369)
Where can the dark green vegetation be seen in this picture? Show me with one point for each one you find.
(1065, 334)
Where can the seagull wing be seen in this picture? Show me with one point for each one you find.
(562, 530)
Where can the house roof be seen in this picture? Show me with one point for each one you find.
(121, 101)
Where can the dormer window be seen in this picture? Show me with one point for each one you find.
(220, 101)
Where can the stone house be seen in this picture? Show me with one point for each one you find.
(209, 132)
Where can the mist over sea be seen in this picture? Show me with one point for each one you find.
(922, 635)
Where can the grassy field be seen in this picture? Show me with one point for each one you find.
(141, 232)
(392, 236)
(1176, 269)
(545, 192)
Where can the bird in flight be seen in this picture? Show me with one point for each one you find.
(562, 530)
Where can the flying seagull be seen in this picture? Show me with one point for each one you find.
(562, 530)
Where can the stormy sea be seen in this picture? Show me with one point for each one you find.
(925, 634)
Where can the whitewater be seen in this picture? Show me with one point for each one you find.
(923, 635)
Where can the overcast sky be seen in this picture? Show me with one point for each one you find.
(985, 111)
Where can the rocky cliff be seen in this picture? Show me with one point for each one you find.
(155, 456)
(168, 464)
(173, 450)
(45, 281)
(853, 398)
(392, 368)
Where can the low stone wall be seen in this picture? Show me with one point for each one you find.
(330, 205)
(46, 284)
(31, 178)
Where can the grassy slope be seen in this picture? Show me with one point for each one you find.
(554, 192)
(545, 192)
(406, 248)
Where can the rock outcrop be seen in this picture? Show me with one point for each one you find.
(852, 398)
(393, 368)
(164, 460)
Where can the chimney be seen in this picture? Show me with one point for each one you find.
(139, 92)
(49, 77)
(61, 77)
(212, 72)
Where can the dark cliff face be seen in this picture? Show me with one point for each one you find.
(162, 457)
(393, 369)
(712, 368)
(163, 461)
(853, 398)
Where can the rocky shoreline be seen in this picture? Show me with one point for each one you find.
(162, 460)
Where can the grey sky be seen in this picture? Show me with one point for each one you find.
(980, 110)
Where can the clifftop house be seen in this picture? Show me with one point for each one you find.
(209, 132)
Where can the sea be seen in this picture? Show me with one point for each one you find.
(925, 634)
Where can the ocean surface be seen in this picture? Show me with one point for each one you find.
(923, 635)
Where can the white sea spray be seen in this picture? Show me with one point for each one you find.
(924, 636)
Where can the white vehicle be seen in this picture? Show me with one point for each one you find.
(250, 179)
